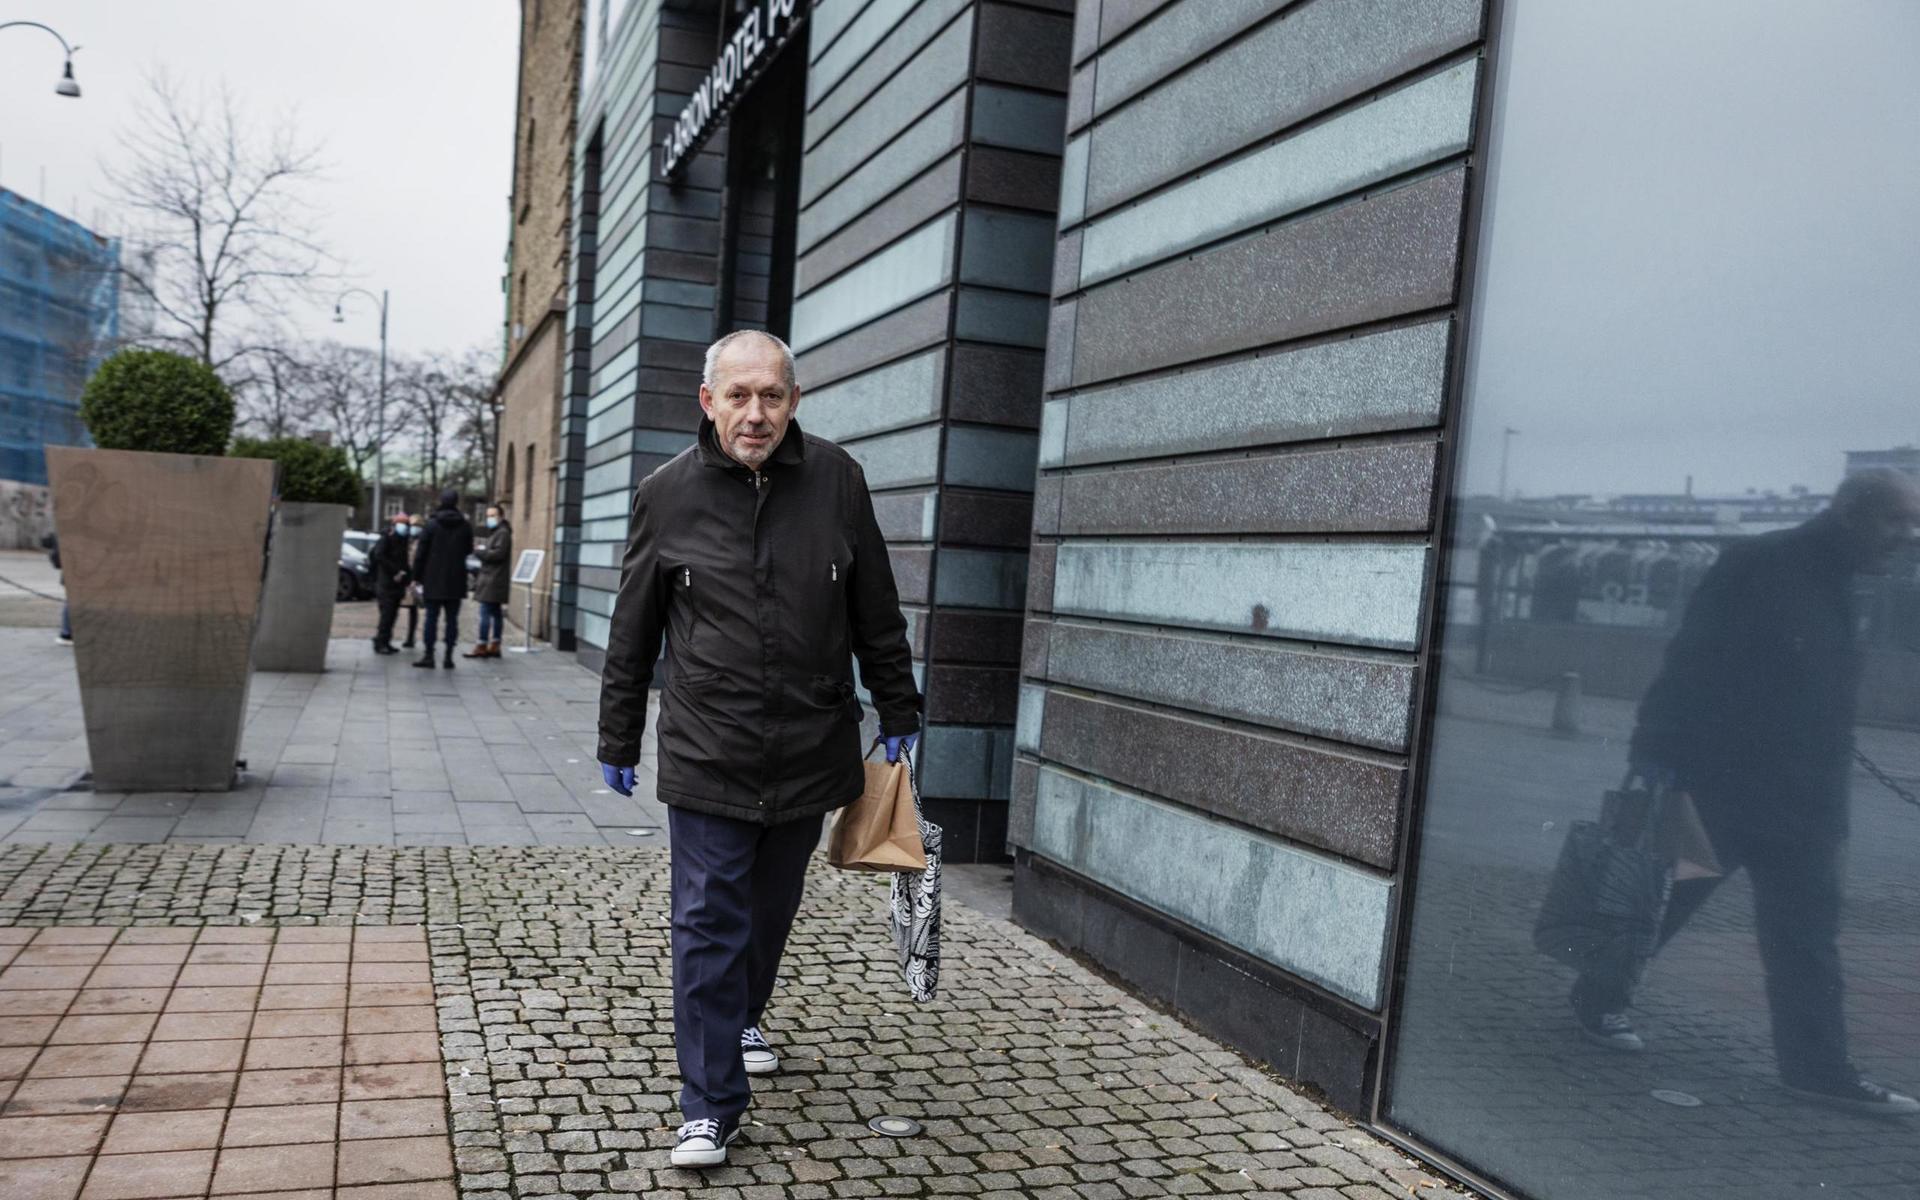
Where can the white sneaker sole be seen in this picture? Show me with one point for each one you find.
(1864, 1108)
(704, 1158)
(1616, 1044)
(762, 1062)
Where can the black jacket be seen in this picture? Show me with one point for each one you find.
(390, 563)
(494, 583)
(766, 588)
(1754, 706)
(440, 564)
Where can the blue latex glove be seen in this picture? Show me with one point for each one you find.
(620, 779)
(899, 745)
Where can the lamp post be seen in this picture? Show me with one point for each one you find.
(67, 86)
(380, 415)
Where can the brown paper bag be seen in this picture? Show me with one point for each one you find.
(880, 831)
(1683, 840)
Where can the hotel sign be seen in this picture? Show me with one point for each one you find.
(755, 41)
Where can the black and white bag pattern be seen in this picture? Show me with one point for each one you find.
(913, 908)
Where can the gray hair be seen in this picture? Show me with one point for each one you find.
(714, 351)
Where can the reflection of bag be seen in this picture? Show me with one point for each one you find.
(881, 830)
(1608, 892)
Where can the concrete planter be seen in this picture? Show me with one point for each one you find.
(303, 564)
(162, 556)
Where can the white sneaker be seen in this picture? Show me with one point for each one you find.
(1614, 1031)
(703, 1143)
(760, 1058)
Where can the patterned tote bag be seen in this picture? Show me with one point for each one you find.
(913, 907)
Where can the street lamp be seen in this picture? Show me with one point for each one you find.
(66, 86)
(380, 416)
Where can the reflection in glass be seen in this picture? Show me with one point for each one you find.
(1683, 557)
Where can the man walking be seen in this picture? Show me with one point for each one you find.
(493, 584)
(1752, 715)
(757, 555)
(390, 580)
(440, 566)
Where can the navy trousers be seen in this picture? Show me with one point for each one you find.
(736, 887)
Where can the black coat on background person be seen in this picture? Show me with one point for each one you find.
(494, 583)
(767, 586)
(1754, 706)
(440, 564)
(390, 564)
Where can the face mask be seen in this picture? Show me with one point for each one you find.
(415, 532)
(402, 528)
(493, 522)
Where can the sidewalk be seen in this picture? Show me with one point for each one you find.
(385, 798)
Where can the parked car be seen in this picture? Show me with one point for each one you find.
(356, 572)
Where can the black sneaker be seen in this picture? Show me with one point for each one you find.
(1859, 1095)
(756, 1054)
(426, 662)
(1611, 1030)
(703, 1143)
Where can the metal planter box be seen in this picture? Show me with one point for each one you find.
(303, 563)
(162, 557)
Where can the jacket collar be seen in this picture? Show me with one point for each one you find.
(791, 451)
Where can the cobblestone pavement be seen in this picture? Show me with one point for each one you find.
(1031, 1076)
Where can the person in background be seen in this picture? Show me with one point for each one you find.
(410, 594)
(390, 578)
(51, 544)
(440, 569)
(494, 582)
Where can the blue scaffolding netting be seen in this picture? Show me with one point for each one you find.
(59, 314)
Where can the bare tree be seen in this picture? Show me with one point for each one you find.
(343, 385)
(470, 384)
(277, 393)
(420, 387)
(220, 221)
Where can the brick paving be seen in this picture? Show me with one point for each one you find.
(167, 1061)
(1031, 1075)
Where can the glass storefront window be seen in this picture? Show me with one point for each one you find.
(1682, 572)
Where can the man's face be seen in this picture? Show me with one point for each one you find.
(750, 403)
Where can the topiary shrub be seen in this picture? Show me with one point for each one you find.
(157, 400)
(309, 472)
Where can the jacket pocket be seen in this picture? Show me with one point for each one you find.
(680, 580)
(836, 694)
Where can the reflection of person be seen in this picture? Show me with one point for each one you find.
(756, 553)
(51, 544)
(390, 582)
(440, 566)
(492, 586)
(1752, 714)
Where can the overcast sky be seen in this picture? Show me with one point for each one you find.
(1703, 253)
(413, 100)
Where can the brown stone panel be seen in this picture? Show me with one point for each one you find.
(1023, 47)
(930, 194)
(1013, 178)
(911, 572)
(1333, 801)
(985, 518)
(971, 636)
(1358, 489)
(970, 695)
(996, 385)
(900, 333)
(1369, 260)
